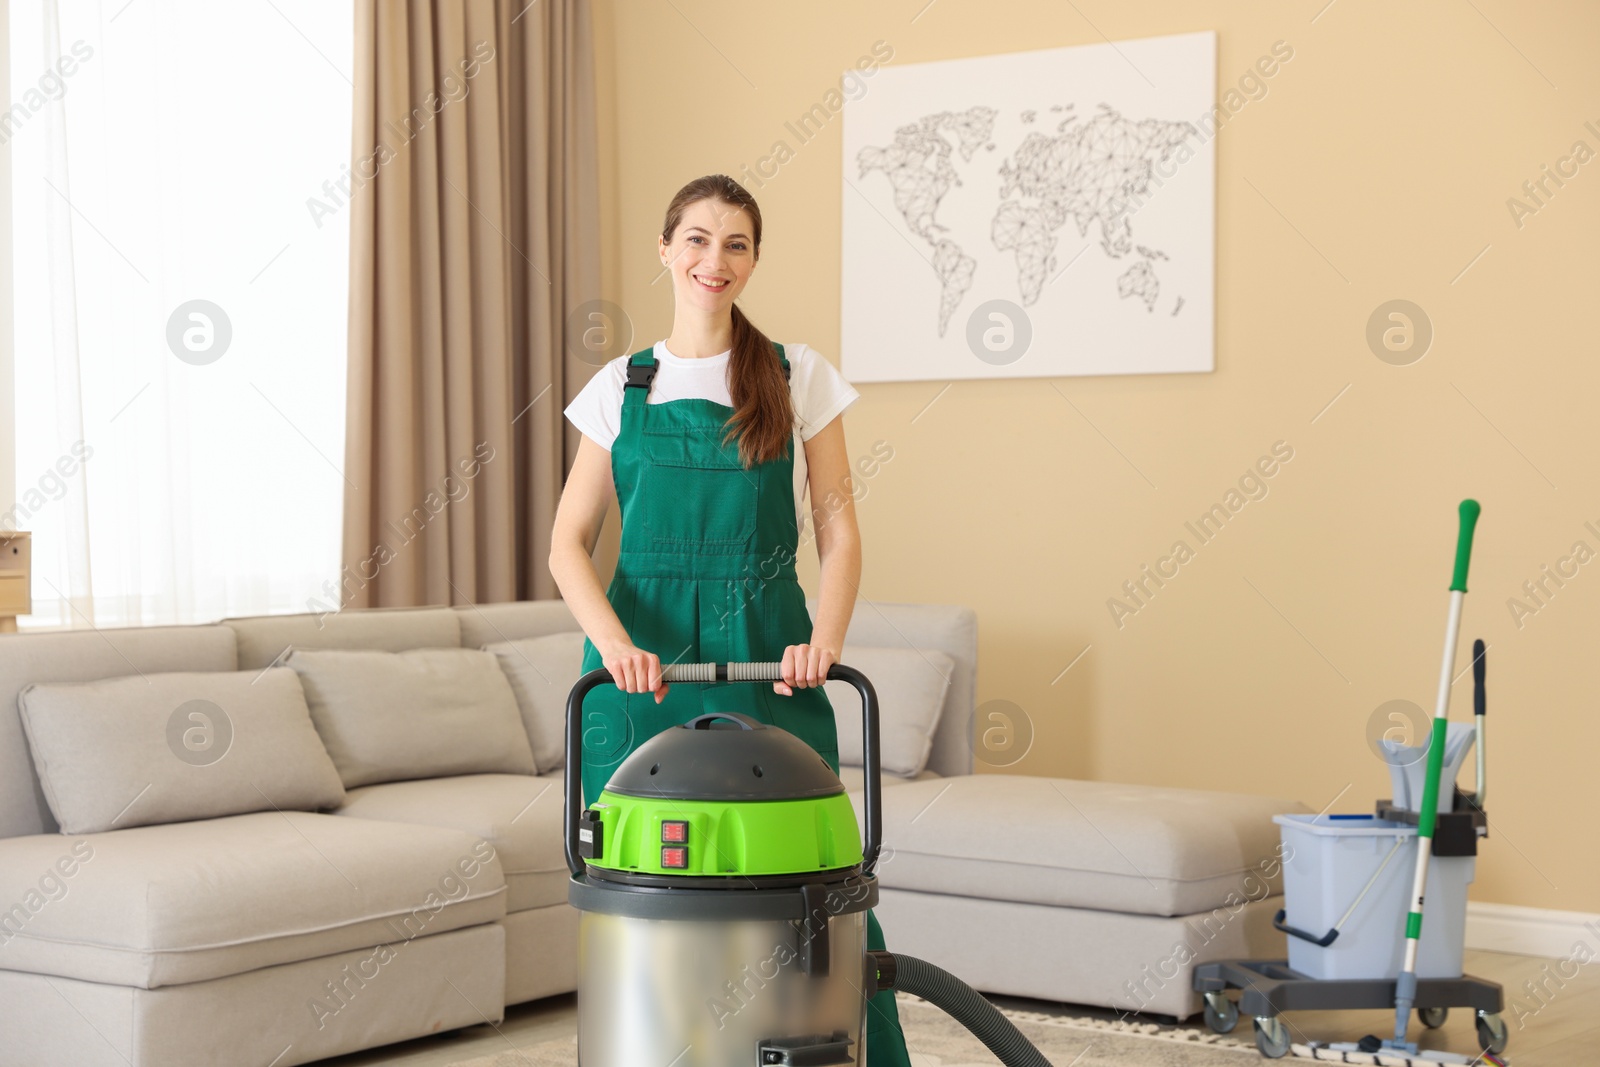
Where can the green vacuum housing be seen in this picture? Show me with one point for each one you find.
(723, 795)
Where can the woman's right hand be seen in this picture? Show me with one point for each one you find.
(635, 670)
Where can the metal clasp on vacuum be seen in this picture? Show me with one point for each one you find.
(814, 1050)
(591, 835)
(813, 932)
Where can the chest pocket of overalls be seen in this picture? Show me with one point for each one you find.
(702, 494)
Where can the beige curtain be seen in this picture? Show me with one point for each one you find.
(474, 233)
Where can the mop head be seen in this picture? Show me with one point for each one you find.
(1346, 1052)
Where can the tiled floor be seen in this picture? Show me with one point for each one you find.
(1557, 1027)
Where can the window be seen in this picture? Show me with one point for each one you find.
(180, 267)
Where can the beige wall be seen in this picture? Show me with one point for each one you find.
(1377, 166)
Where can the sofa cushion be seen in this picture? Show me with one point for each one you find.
(910, 684)
(189, 901)
(542, 672)
(519, 815)
(83, 656)
(952, 630)
(390, 716)
(264, 639)
(157, 748)
(1142, 849)
(487, 624)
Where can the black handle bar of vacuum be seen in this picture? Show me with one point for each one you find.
(725, 672)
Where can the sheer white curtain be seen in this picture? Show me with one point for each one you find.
(181, 254)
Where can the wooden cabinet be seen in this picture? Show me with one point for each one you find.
(16, 576)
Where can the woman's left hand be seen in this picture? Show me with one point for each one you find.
(804, 666)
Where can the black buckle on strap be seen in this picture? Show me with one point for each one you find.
(640, 375)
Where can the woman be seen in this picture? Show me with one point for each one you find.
(710, 452)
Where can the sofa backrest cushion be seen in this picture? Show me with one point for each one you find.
(953, 630)
(542, 672)
(81, 656)
(910, 684)
(160, 748)
(264, 638)
(488, 624)
(85, 655)
(424, 713)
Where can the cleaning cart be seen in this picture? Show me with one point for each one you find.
(1347, 874)
(1356, 941)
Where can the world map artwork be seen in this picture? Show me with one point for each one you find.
(1086, 173)
(1032, 214)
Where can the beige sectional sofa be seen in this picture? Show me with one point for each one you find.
(400, 908)
(283, 937)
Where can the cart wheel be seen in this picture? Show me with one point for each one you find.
(1222, 1014)
(1492, 1035)
(1272, 1036)
(1433, 1018)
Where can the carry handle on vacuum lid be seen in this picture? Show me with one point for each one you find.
(726, 672)
(703, 722)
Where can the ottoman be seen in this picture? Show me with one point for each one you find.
(1084, 892)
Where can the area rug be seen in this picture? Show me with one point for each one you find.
(936, 1040)
(1388, 1059)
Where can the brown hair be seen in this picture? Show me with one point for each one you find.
(763, 417)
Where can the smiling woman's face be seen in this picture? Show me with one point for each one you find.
(713, 244)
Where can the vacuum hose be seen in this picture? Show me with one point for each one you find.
(962, 1003)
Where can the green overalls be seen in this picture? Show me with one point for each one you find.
(706, 574)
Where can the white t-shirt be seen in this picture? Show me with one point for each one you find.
(817, 390)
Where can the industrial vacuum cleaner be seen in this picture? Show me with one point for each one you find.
(724, 887)
(1354, 889)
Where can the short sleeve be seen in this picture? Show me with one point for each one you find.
(597, 409)
(820, 392)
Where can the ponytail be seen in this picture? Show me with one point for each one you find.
(763, 415)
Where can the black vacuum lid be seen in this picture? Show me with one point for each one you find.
(725, 756)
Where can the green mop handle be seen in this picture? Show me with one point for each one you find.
(1406, 985)
(1469, 511)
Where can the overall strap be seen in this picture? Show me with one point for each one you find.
(642, 366)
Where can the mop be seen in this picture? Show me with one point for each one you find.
(1398, 1052)
(1369, 1052)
